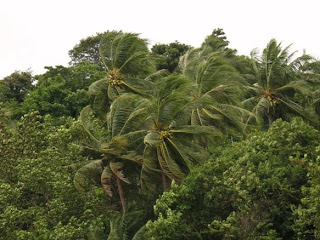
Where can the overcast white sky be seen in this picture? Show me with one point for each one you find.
(38, 33)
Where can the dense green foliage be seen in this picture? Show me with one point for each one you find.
(174, 142)
(255, 189)
(169, 55)
(16, 86)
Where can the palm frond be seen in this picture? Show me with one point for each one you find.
(99, 94)
(299, 87)
(168, 165)
(132, 156)
(134, 138)
(127, 52)
(140, 86)
(197, 130)
(88, 176)
(152, 139)
(190, 153)
(106, 177)
(154, 77)
(169, 108)
(139, 235)
(261, 107)
(86, 121)
(117, 168)
(129, 113)
(297, 109)
(97, 86)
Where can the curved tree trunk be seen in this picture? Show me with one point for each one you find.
(164, 181)
(122, 199)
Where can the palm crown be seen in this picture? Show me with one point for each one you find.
(277, 82)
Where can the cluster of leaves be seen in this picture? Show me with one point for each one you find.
(169, 55)
(16, 86)
(61, 91)
(261, 188)
(37, 196)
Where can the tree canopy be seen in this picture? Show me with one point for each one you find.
(164, 142)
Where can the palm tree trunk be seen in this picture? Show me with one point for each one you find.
(122, 199)
(164, 181)
(270, 120)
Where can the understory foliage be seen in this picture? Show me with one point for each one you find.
(86, 150)
(37, 197)
(260, 188)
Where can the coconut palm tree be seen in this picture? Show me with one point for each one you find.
(119, 139)
(128, 62)
(216, 86)
(277, 84)
(171, 150)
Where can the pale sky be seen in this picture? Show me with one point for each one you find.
(38, 33)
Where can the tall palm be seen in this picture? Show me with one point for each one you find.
(277, 84)
(127, 61)
(171, 150)
(215, 87)
(118, 139)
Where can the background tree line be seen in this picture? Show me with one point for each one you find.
(200, 129)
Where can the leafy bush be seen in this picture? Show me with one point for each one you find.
(249, 192)
(37, 196)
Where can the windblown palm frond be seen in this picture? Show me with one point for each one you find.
(215, 86)
(278, 82)
(129, 113)
(91, 127)
(100, 95)
(106, 90)
(171, 147)
(100, 173)
(127, 226)
(175, 151)
(89, 175)
(128, 64)
(126, 52)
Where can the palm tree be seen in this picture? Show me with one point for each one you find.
(215, 85)
(277, 84)
(119, 139)
(128, 62)
(171, 150)
(117, 119)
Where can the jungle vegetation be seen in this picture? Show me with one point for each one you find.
(171, 141)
